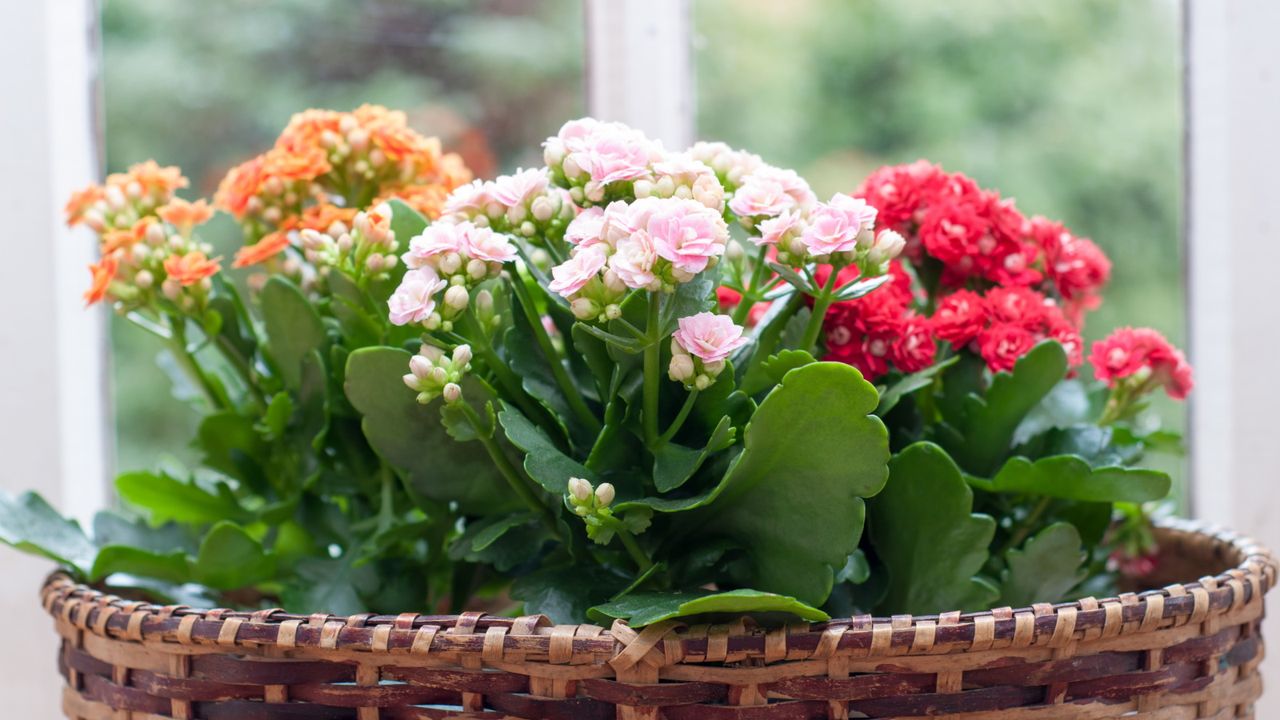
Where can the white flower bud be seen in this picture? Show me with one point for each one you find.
(477, 269)
(374, 263)
(612, 311)
(888, 246)
(542, 208)
(528, 229)
(457, 297)
(665, 186)
(420, 366)
(433, 321)
(461, 355)
(271, 214)
(377, 158)
(452, 393)
(345, 242)
(450, 263)
(171, 288)
(584, 308)
(643, 188)
(681, 368)
(580, 489)
(613, 283)
(431, 352)
(439, 375)
(713, 368)
(570, 168)
(516, 214)
(605, 494)
(702, 382)
(866, 238)
(144, 279)
(484, 303)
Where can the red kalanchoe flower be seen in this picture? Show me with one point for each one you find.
(914, 348)
(960, 317)
(1003, 343)
(1017, 305)
(1141, 353)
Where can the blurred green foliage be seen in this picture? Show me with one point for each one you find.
(1074, 108)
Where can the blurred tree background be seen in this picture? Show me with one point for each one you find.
(1073, 107)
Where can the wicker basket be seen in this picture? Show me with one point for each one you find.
(1186, 651)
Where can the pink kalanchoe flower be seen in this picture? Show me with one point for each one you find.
(415, 299)
(778, 230)
(708, 336)
(437, 239)
(770, 191)
(834, 226)
(471, 199)
(687, 233)
(1141, 351)
(587, 228)
(520, 188)
(573, 274)
(633, 261)
(487, 245)
(612, 152)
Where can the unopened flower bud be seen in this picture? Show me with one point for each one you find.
(613, 283)
(450, 263)
(431, 352)
(866, 238)
(374, 263)
(612, 311)
(605, 494)
(580, 489)
(456, 297)
(484, 303)
(888, 245)
(452, 393)
(681, 368)
(713, 368)
(461, 355)
(542, 208)
(420, 366)
(144, 279)
(477, 269)
(584, 308)
(439, 375)
(171, 288)
(702, 382)
(433, 321)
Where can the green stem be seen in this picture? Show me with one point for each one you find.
(522, 486)
(821, 303)
(1025, 528)
(681, 417)
(178, 346)
(633, 547)
(571, 393)
(751, 294)
(652, 358)
(241, 364)
(386, 515)
(511, 383)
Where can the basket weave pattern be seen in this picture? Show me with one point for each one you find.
(1185, 651)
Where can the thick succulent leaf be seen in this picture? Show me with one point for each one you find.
(674, 464)
(230, 558)
(645, 608)
(794, 494)
(172, 566)
(230, 444)
(503, 541)
(166, 499)
(292, 325)
(1069, 477)
(329, 585)
(112, 528)
(30, 524)
(927, 536)
(565, 594)
(361, 327)
(406, 222)
(691, 298)
(911, 383)
(777, 366)
(549, 467)
(1045, 568)
(412, 438)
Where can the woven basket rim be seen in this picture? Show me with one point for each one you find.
(1052, 625)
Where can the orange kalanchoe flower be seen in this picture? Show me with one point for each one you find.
(102, 273)
(240, 186)
(153, 178)
(191, 268)
(269, 246)
(300, 163)
(115, 240)
(81, 201)
(322, 217)
(185, 215)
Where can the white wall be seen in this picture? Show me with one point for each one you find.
(52, 359)
(1233, 117)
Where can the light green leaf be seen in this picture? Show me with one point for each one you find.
(168, 499)
(412, 438)
(292, 326)
(406, 222)
(230, 558)
(1045, 569)
(911, 383)
(640, 609)
(549, 467)
(1070, 478)
(927, 536)
(794, 495)
(30, 524)
(777, 366)
(674, 464)
(173, 566)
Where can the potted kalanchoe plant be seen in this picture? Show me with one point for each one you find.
(630, 386)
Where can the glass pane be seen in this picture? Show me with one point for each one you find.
(1074, 108)
(207, 85)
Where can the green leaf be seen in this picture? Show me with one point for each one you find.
(565, 594)
(167, 499)
(911, 383)
(406, 222)
(501, 541)
(173, 566)
(858, 288)
(1045, 569)
(329, 585)
(988, 423)
(360, 328)
(279, 410)
(691, 298)
(640, 609)
(30, 524)
(230, 444)
(1069, 477)
(412, 438)
(777, 366)
(549, 467)
(523, 355)
(793, 278)
(927, 536)
(674, 464)
(794, 495)
(230, 558)
(111, 528)
(292, 326)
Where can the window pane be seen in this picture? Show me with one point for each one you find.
(206, 85)
(1074, 108)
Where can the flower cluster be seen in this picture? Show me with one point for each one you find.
(600, 161)
(881, 328)
(730, 166)
(1004, 324)
(524, 203)
(449, 256)
(700, 346)
(1140, 359)
(433, 374)
(147, 245)
(339, 162)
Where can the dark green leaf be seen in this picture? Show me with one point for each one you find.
(230, 558)
(360, 327)
(166, 498)
(292, 326)
(911, 383)
(549, 467)
(645, 608)
(1070, 478)
(111, 528)
(172, 566)
(328, 585)
(691, 298)
(927, 536)
(30, 524)
(566, 594)
(1046, 567)
(230, 444)
(674, 464)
